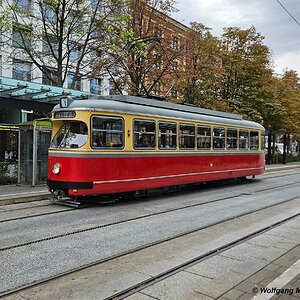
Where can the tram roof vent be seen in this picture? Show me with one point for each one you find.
(171, 106)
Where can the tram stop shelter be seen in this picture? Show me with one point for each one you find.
(22, 101)
(34, 141)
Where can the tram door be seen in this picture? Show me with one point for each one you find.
(34, 141)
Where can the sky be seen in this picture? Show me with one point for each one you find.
(281, 32)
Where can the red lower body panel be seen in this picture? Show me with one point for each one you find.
(107, 175)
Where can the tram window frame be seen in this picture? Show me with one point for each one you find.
(230, 138)
(199, 136)
(169, 136)
(222, 138)
(256, 144)
(143, 133)
(240, 139)
(262, 140)
(72, 134)
(111, 146)
(180, 135)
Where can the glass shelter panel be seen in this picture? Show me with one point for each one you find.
(43, 138)
(34, 141)
(26, 156)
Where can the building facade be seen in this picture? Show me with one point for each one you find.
(31, 60)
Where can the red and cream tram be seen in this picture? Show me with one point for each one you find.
(118, 144)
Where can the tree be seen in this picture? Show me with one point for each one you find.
(139, 57)
(288, 94)
(202, 78)
(61, 37)
(247, 65)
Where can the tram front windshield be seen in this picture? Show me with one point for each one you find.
(70, 135)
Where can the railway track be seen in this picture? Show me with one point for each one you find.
(74, 232)
(65, 209)
(163, 275)
(155, 279)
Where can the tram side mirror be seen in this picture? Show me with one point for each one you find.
(65, 101)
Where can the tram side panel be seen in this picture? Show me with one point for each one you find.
(108, 174)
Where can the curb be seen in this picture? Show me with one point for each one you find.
(24, 199)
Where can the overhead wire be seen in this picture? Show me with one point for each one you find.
(288, 12)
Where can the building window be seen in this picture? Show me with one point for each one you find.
(50, 46)
(144, 134)
(51, 79)
(159, 33)
(77, 85)
(21, 70)
(219, 138)
(167, 136)
(112, 88)
(24, 4)
(21, 36)
(157, 61)
(175, 43)
(157, 89)
(95, 86)
(74, 52)
(49, 12)
(187, 137)
(174, 65)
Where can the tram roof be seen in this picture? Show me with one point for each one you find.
(152, 107)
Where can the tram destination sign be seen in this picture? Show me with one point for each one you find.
(64, 114)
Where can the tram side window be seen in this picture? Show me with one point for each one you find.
(186, 137)
(167, 137)
(219, 138)
(107, 132)
(253, 140)
(232, 139)
(204, 137)
(144, 134)
(244, 139)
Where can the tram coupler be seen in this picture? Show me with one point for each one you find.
(58, 195)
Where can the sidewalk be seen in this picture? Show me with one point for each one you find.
(10, 194)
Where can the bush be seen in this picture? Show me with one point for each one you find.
(8, 174)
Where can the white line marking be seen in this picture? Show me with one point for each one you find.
(172, 176)
(280, 282)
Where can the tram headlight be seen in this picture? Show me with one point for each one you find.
(56, 168)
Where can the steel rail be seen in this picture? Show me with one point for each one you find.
(140, 217)
(150, 215)
(155, 279)
(136, 249)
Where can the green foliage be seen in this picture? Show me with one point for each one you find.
(4, 177)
